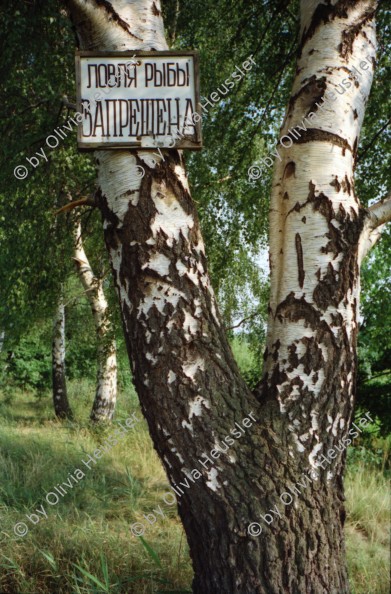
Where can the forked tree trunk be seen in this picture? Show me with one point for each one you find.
(106, 383)
(189, 386)
(60, 397)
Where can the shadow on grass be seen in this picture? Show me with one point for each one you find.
(92, 519)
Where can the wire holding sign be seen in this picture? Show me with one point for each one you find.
(150, 100)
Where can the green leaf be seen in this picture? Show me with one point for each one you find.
(92, 578)
(49, 557)
(153, 554)
(105, 570)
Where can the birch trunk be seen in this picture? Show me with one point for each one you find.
(106, 385)
(189, 386)
(60, 397)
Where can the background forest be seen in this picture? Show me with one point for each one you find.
(85, 545)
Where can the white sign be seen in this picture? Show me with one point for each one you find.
(140, 99)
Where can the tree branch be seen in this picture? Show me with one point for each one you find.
(253, 315)
(173, 34)
(211, 183)
(378, 215)
(87, 201)
(68, 104)
(380, 212)
(372, 141)
(74, 299)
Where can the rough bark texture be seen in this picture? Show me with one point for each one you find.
(316, 223)
(106, 383)
(190, 390)
(60, 397)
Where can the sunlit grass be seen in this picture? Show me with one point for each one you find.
(368, 505)
(89, 526)
(85, 545)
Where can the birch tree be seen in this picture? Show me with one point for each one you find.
(187, 380)
(62, 408)
(106, 386)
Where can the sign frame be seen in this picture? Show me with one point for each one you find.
(180, 144)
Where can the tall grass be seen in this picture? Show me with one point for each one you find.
(368, 538)
(85, 545)
(86, 538)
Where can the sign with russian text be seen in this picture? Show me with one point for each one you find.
(138, 100)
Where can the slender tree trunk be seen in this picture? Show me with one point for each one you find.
(189, 386)
(60, 397)
(106, 386)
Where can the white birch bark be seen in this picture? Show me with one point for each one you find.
(106, 388)
(189, 386)
(315, 225)
(379, 215)
(60, 397)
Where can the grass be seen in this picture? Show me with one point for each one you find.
(85, 545)
(368, 498)
(87, 533)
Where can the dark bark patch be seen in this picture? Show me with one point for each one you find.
(300, 261)
(324, 205)
(346, 186)
(293, 358)
(355, 144)
(335, 183)
(155, 10)
(296, 208)
(334, 245)
(332, 288)
(293, 310)
(325, 13)
(350, 34)
(336, 320)
(276, 346)
(313, 134)
(325, 292)
(114, 16)
(311, 92)
(321, 203)
(313, 357)
(278, 378)
(290, 169)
